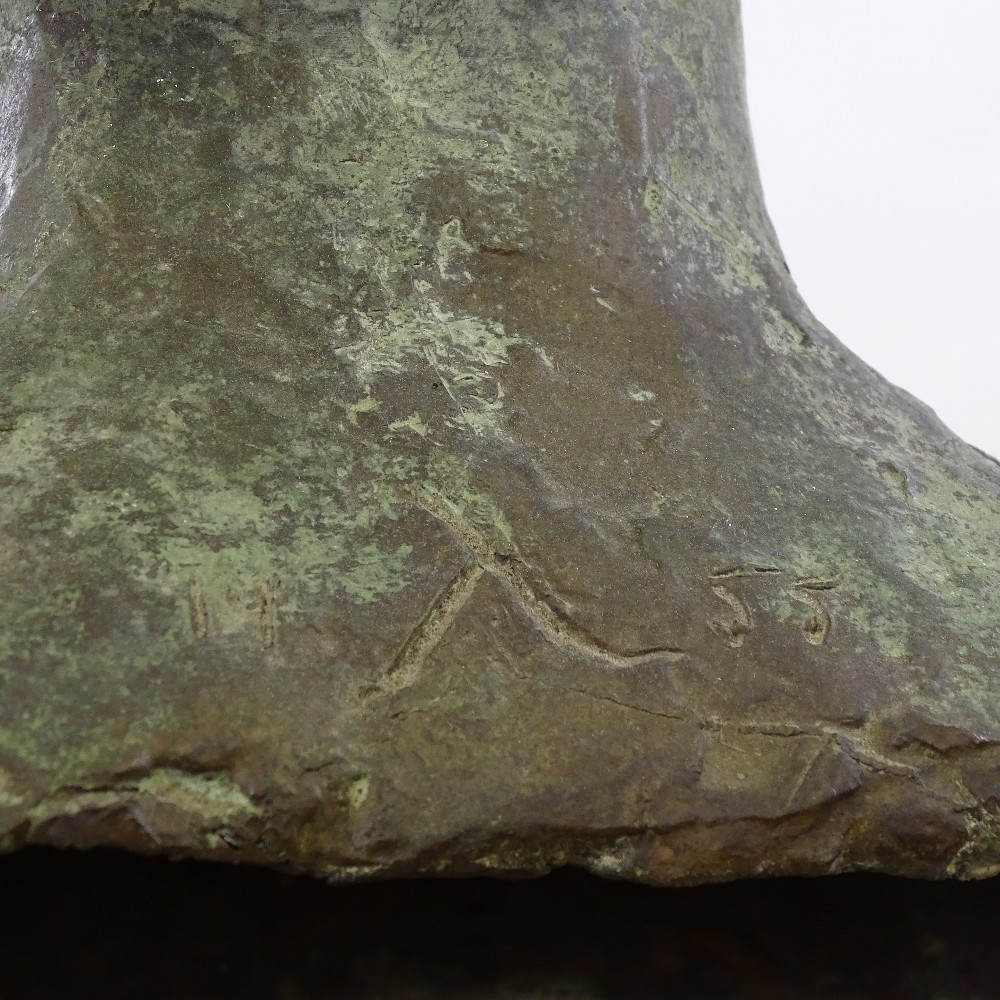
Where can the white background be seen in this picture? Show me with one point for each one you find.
(877, 127)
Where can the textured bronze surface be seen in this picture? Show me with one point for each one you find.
(415, 457)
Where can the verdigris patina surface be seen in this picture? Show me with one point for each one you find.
(415, 458)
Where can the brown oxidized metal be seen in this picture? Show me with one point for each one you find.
(416, 458)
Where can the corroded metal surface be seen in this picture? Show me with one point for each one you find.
(415, 458)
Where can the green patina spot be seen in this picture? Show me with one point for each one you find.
(979, 856)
